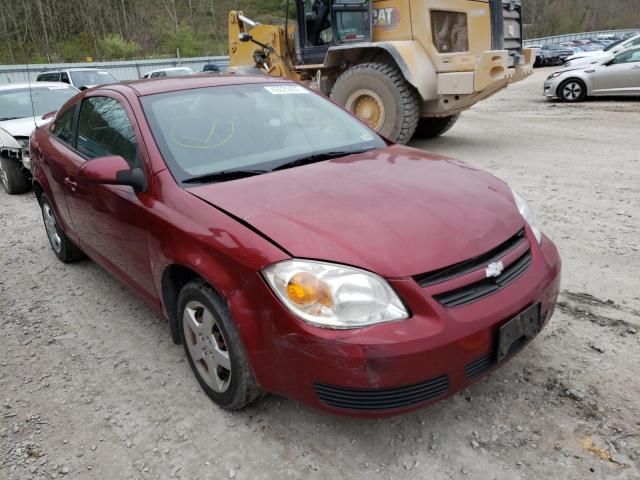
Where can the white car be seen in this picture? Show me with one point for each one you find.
(170, 72)
(584, 58)
(22, 107)
(78, 77)
(619, 76)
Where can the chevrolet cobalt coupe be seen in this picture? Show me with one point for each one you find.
(292, 249)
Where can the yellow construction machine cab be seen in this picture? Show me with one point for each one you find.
(405, 67)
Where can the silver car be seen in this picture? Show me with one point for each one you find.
(616, 77)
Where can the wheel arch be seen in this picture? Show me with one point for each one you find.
(408, 56)
(174, 277)
(37, 189)
(574, 78)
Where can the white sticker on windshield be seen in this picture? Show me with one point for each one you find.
(285, 89)
(366, 137)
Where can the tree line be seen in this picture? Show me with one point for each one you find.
(41, 31)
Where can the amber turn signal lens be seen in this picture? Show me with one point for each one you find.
(304, 289)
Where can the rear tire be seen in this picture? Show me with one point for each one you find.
(13, 176)
(572, 90)
(432, 127)
(65, 249)
(380, 96)
(213, 347)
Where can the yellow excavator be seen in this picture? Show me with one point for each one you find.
(407, 68)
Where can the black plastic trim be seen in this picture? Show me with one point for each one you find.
(467, 266)
(377, 399)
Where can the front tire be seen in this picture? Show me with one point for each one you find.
(572, 90)
(213, 347)
(432, 127)
(65, 249)
(379, 95)
(13, 176)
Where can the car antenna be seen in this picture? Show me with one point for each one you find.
(33, 109)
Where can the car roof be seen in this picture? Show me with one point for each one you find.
(14, 86)
(78, 69)
(152, 86)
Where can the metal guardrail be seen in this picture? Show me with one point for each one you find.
(575, 36)
(122, 70)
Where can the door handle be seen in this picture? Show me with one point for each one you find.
(71, 184)
(636, 67)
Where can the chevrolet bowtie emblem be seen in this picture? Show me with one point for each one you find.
(494, 269)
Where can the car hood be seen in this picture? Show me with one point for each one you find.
(397, 211)
(22, 127)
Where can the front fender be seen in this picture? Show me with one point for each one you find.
(412, 60)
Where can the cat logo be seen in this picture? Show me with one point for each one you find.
(386, 18)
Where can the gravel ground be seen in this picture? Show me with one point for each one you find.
(92, 387)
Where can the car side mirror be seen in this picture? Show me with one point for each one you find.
(113, 170)
(49, 115)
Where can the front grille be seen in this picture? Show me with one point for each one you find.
(482, 365)
(478, 290)
(475, 263)
(378, 399)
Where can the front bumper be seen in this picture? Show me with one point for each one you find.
(458, 91)
(551, 88)
(406, 364)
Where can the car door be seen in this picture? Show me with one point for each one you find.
(619, 77)
(111, 219)
(58, 159)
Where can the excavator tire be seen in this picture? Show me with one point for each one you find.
(432, 127)
(379, 95)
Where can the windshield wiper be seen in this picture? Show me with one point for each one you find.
(318, 157)
(9, 118)
(224, 176)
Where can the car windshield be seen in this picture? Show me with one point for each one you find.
(614, 45)
(257, 127)
(92, 77)
(16, 103)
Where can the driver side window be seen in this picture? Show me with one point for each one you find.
(104, 129)
(627, 57)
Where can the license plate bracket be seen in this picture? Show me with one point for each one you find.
(521, 328)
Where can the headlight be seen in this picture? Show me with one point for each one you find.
(334, 296)
(525, 210)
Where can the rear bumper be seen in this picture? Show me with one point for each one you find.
(407, 364)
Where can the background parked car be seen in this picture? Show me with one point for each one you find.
(170, 72)
(619, 76)
(212, 68)
(81, 78)
(21, 108)
(613, 48)
(557, 53)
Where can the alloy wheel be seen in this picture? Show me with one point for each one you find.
(207, 346)
(3, 177)
(572, 91)
(51, 227)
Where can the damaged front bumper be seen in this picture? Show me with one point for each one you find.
(15, 147)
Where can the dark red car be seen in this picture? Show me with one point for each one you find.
(292, 249)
